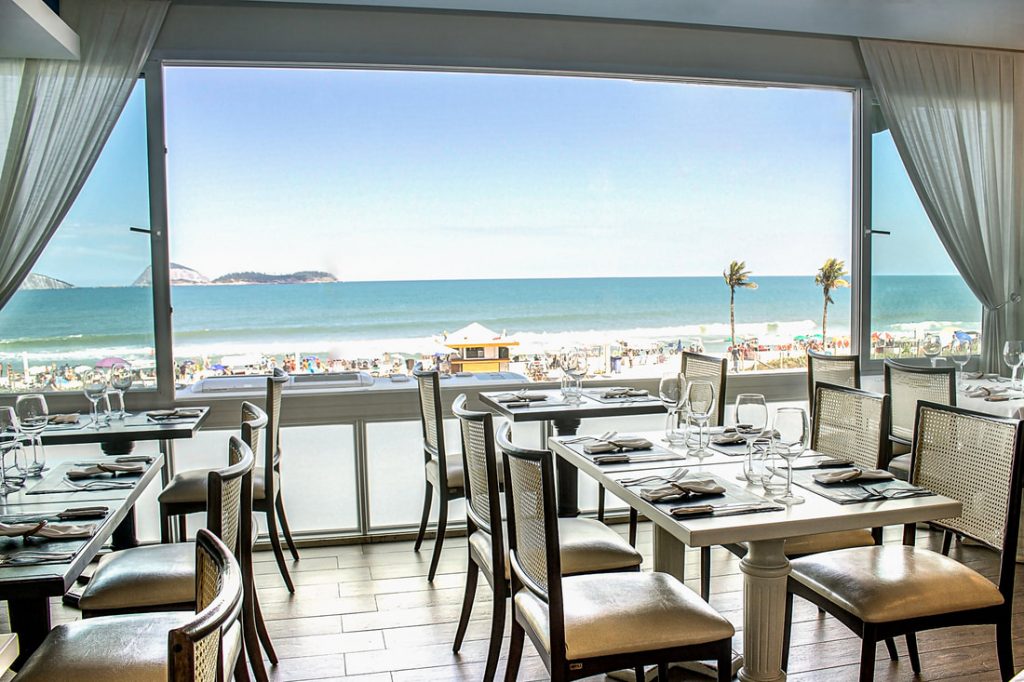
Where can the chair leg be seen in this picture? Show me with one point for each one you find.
(165, 525)
(725, 662)
(915, 659)
(639, 673)
(663, 672)
(515, 651)
(427, 499)
(787, 630)
(182, 527)
(890, 646)
(241, 670)
(947, 540)
(497, 633)
(634, 519)
(275, 542)
(1004, 646)
(250, 637)
(283, 518)
(867, 656)
(442, 524)
(261, 629)
(472, 572)
(600, 503)
(705, 573)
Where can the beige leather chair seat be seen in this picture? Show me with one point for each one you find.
(152, 575)
(130, 647)
(900, 465)
(894, 582)
(827, 542)
(455, 475)
(618, 613)
(190, 486)
(586, 546)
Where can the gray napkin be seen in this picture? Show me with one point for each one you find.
(520, 396)
(680, 489)
(852, 474)
(620, 444)
(53, 531)
(622, 392)
(104, 468)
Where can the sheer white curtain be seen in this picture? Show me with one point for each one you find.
(957, 118)
(55, 117)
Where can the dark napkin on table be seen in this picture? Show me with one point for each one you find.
(63, 418)
(618, 444)
(179, 413)
(680, 489)
(625, 392)
(99, 469)
(520, 396)
(852, 474)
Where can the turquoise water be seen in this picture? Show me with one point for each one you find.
(80, 325)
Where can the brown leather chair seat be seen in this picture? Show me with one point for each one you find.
(827, 542)
(586, 546)
(618, 613)
(132, 647)
(894, 582)
(190, 486)
(152, 575)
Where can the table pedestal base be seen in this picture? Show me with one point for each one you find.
(567, 477)
(30, 618)
(765, 571)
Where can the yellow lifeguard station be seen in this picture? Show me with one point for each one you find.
(480, 349)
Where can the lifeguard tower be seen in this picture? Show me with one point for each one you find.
(480, 349)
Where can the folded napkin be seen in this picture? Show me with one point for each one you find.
(984, 392)
(53, 531)
(973, 375)
(179, 413)
(852, 474)
(618, 444)
(64, 418)
(98, 469)
(624, 392)
(680, 489)
(520, 396)
(729, 436)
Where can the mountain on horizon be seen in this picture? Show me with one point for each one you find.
(180, 276)
(301, 277)
(35, 281)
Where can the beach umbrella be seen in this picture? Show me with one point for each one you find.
(218, 367)
(962, 336)
(107, 363)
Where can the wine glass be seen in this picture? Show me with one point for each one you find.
(960, 351)
(94, 386)
(33, 416)
(932, 347)
(790, 439)
(700, 399)
(574, 364)
(10, 443)
(120, 381)
(751, 422)
(1013, 356)
(672, 391)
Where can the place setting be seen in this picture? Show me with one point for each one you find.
(850, 484)
(612, 395)
(527, 398)
(614, 448)
(122, 473)
(683, 495)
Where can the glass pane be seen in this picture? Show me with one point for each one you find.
(915, 288)
(481, 222)
(89, 297)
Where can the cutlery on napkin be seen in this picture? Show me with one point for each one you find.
(31, 558)
(521, 396)
(620, 444)
(178, 413)
(676, 475)
(984, 392)
(52, 531)
(103, 468)
(852, 474)
(679, 489)
(723, 509)
(624, 392)
(63, 418)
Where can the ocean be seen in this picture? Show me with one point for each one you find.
(364, 319)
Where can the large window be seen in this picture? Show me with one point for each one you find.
(325, 219)
(89, 298)
(915, 289)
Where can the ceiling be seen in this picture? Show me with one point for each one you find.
(992, 23)
(30, 29)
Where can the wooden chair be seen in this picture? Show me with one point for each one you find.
(584, 625)
(162, 577)
(837, 370)
(443, 470)
(587, 546)
(893, 590)
(186, 493)
(176, 646)
(906, 385)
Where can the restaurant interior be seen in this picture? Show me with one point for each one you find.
(830, 493)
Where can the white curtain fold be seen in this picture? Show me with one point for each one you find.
(957, 118)
(55, 117)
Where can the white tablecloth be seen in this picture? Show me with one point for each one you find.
(1013, 408)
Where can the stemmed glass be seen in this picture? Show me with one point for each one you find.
(10, 442)
(960, 351)
(1013, 356)
(33, 416)
(94, 386)
(790, 440)
(932, 347)
(751, 422)
(700, 398)
(120, 382)
(672, 391)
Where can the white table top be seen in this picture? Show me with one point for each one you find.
(1012, 408)
(816, 515)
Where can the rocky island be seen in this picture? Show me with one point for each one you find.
(185, 276)
(35, 282)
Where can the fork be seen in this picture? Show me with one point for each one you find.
(606, 436)
(676, 475)
(890, 493)
(99, 485)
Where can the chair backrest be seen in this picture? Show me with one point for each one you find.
(852, 424)
(194, 649)
(483, 505)
(431, 419)
(532, 520)
(708, 368)
(272, 449)
(227, 492)
(254, 423)
(838, 370)
(974, 458)
(908, 384)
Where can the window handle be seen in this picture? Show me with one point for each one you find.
(870, 231)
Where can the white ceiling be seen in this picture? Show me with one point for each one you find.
(993, 23)
(28, 28)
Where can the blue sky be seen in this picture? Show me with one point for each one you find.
(408, 175)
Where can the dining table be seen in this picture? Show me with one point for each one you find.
(550, 406)
(27, 584)
(753, 519)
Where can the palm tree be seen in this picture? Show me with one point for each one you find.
(735, 276)
(830, 277)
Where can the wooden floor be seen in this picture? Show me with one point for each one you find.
(366, 613)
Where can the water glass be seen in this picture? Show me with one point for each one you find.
(769, 467)
(751, 422)
(790, 439)
(94, 386)
(33, 416)
(672, 391)
(121, 377)
(10, 449)
(932, 347)
(1013, 356)
(700, 400)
